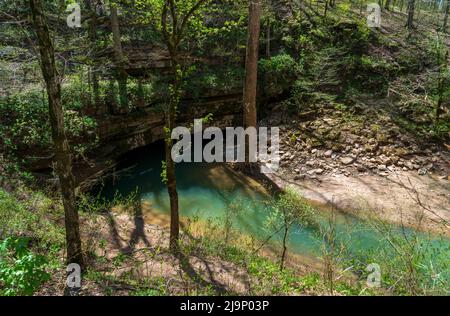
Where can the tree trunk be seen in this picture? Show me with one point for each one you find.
(411, 9)
(112, 100)
(419, 6)
(268, 55)
(283, 255)
(251, 69)
(61, 145)
(173, 196)
(93, 39)
(172, 40)
(444, 26)
(121, 73)
(140, 93)
(170, 164)
(443, 63)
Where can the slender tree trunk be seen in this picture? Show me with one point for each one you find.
(444, 26)
(411, 9)
(140, 93)
(268, 55)
(251, 69)
(112, 100)
(443, 63)
(172, 39)
(418, 9)
(283, 255)
(121, 73)
(173, 196)
(170, 164)
(93, 38)
(61, 145)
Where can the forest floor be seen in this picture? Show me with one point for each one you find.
(128, 256)
(132, 249)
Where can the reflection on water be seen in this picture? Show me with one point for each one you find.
(209, 191)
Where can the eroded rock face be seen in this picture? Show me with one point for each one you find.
(121, 133)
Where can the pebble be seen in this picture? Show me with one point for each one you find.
(319, 171)
(347, 160)
(422, 172)
(382, 167)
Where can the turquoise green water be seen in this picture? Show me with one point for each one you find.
(207, 191)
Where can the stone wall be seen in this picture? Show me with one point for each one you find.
(121, 133)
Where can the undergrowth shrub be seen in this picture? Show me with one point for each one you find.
(278, 73)
(34, 217)
(25, 122)
(21, 270)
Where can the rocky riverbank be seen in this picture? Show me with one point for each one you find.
(331, 144)
(365, 162)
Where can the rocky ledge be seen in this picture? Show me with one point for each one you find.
(330, 143)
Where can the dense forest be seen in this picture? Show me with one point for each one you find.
(93, 198)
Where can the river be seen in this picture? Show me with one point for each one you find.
(209, 191)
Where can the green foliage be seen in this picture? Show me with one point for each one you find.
(289, 209)
(310, 281)
(208, 118)
(155, 287)
(278, 73)
(155, 9)
(265, 275)
(411, 262)
(25, 121)
(335, 62)
(322, 75)
(224, 78)
(21, 271)
(34, 216)
(90, 204)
